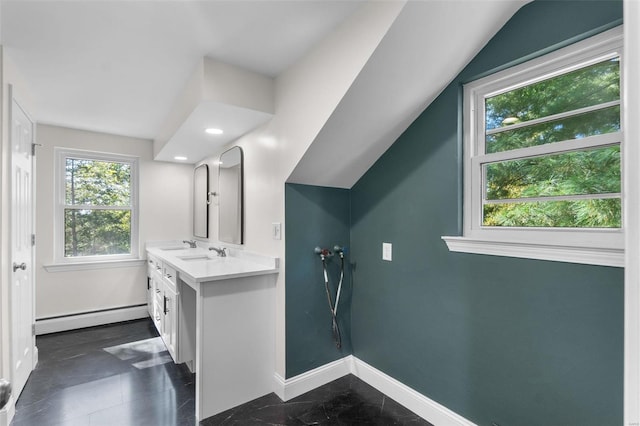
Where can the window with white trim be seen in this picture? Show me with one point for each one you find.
(96, 207)
(543, 154)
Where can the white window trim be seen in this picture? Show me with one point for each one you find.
(84, 262)
(586, 246)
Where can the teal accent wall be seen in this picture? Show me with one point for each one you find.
(314, 216)
(500, 340)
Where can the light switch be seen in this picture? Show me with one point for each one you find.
(276, 230)
(386, 251)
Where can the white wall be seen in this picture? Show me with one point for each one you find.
(165, 203)
(306, 95)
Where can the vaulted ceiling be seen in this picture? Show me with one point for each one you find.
(119, 66)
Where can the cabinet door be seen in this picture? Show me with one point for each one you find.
(157, 294)
(169, 331)
(157, 315)
(150, 289)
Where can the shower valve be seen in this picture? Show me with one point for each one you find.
(323, 252)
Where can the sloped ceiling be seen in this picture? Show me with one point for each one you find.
(426, 47)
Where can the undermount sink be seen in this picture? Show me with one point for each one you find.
(196, 257)
(204, 257)
(172, 248)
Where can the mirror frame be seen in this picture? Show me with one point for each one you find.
(239, 232)
(197, 206)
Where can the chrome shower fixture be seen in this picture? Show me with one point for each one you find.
(323, 252)
(339, 250)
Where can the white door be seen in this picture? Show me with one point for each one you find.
(22, 253)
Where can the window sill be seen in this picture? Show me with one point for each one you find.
(84, 266)
(583, 255)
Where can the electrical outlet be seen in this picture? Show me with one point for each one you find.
(276, 230)
(387, 249)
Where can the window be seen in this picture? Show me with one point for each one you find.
(543, 147)
(96, 215)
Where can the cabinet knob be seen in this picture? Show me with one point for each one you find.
(168, 275)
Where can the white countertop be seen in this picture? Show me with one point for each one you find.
(198, 265)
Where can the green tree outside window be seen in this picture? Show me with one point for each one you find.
(572, 106)
(97, 214)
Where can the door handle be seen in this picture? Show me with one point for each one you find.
(22, 266)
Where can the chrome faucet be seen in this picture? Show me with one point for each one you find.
(192, 243)
(221, 251)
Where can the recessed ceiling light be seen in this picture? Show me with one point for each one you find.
(179, 158)
(214, 131)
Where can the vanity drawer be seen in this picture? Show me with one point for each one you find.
(157, 293)
(169, 275)
(156, 267)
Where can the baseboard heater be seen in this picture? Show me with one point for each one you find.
(90, 319)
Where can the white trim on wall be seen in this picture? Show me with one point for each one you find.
(90, 319)
(423, 406)
(309, 380)
(585, 255)
(7, 412)
(411, 399)
(86, 266)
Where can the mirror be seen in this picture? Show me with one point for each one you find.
(201, 201)
(230, 202)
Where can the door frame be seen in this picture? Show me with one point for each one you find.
(631, 158)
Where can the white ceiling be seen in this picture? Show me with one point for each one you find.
(118, 66)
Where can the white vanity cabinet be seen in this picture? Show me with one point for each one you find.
(218, 315)
(165, 309)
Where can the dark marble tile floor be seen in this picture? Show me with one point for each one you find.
(346, 401)
(116, 375)
(121, 375)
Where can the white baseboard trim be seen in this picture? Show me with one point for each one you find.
(426, 408)
(303, 383)
(7, 413)
(90, 319)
